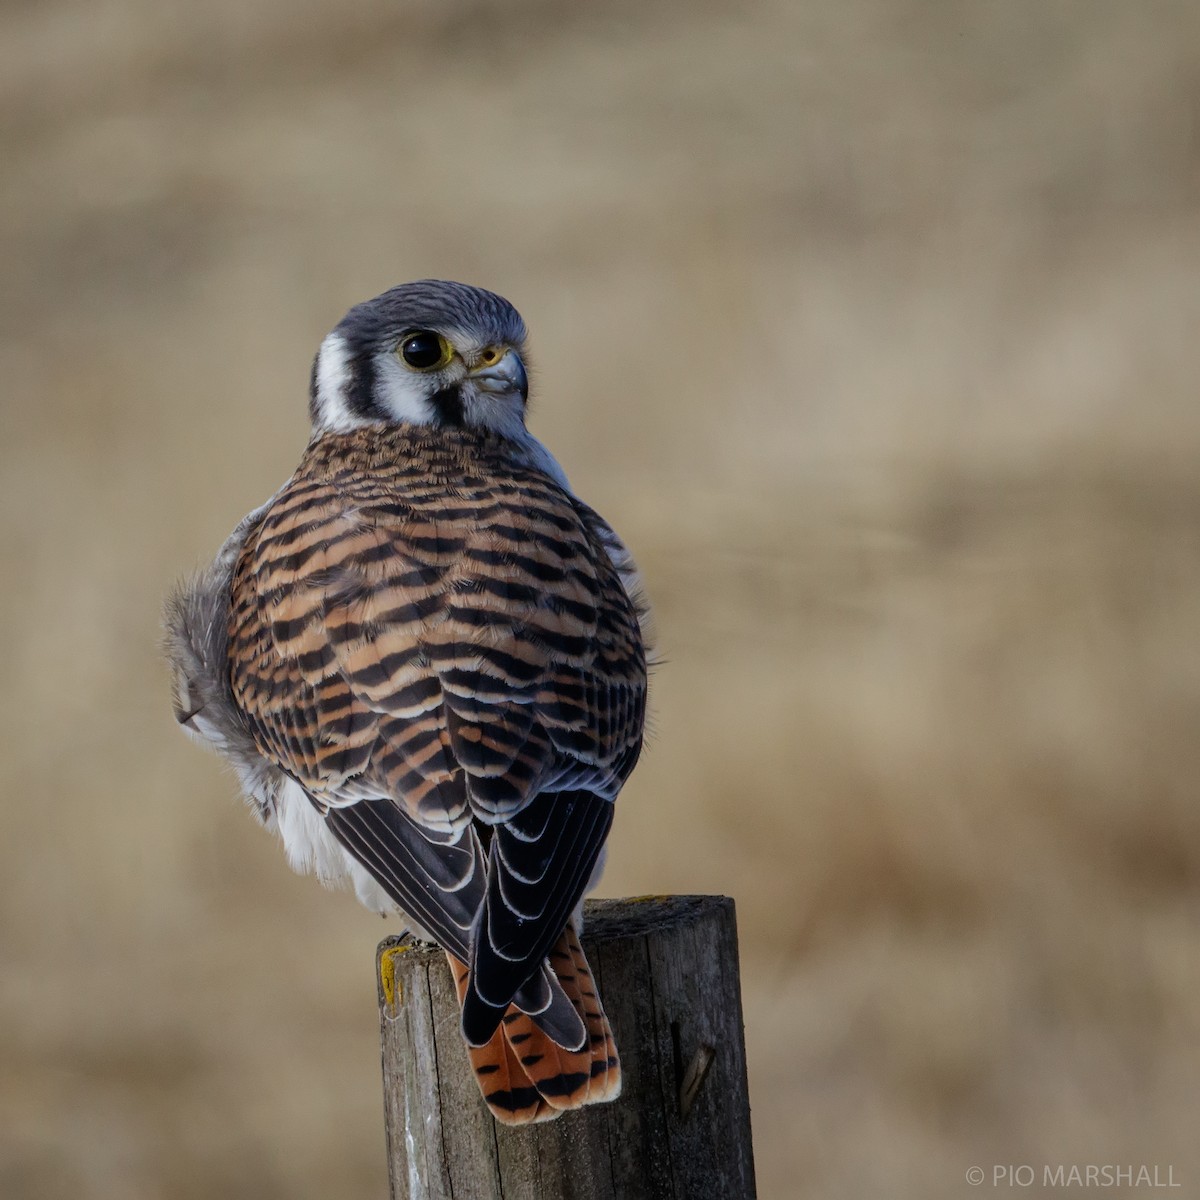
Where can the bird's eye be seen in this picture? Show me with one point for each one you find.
(425, 350)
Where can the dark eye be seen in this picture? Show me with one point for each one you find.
(425, 350)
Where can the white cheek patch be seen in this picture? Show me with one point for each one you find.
(331, 413)
(403, 393)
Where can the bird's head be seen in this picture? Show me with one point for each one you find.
(425, 353)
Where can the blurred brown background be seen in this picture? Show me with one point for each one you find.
(873, 326)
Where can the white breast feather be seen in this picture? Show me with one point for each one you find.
(312, 850)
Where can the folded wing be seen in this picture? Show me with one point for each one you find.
(439, 647)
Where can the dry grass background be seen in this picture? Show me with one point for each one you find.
(873, 326)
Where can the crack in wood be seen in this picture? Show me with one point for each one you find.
(694, 1076)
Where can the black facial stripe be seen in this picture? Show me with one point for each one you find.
(448, 405)
(312, 391)
(360, 387)
(358, 390)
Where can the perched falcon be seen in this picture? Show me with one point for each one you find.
(425, 657)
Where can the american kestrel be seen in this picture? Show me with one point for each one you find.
(425, 658)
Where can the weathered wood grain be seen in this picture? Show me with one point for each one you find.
(667, 967)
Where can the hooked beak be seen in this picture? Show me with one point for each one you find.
(502, 378)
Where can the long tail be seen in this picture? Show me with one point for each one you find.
(523, 1073)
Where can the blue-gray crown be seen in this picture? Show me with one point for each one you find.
(437, 304)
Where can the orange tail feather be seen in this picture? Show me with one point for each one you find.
(523, 1074)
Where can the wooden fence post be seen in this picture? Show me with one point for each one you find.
(667, 967)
